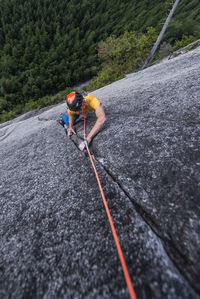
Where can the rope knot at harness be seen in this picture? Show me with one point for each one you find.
(86, 141)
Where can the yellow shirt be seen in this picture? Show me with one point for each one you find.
(92, 104)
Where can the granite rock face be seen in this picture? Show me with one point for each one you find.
(55, 237)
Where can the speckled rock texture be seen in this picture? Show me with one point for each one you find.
(55, 237)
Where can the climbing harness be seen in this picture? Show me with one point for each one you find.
(121, 257)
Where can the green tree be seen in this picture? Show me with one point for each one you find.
(47, 45)
(123, 54)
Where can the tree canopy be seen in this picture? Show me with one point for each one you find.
(47, 45)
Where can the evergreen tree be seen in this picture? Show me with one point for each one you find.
(47, 45)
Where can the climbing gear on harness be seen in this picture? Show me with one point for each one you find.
(74, 101)
(86, 141)
(119, 250)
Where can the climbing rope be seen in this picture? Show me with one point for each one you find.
(121, 257)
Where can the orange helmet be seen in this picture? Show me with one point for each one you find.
(74, 101)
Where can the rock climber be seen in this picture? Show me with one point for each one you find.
(77, 105)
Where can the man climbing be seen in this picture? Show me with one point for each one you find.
(77, 105)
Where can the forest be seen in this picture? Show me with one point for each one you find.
(46, 46)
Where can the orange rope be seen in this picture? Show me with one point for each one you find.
(121, 257)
